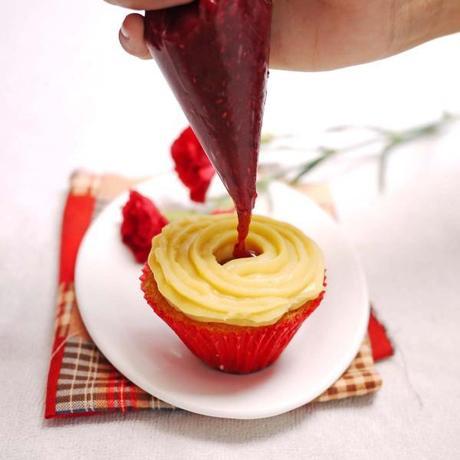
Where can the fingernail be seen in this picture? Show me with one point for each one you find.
(124, 32)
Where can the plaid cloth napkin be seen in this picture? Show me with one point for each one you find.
(82, 382)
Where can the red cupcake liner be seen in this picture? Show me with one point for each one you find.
(229, 348)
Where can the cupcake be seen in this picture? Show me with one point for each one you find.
(236, 315)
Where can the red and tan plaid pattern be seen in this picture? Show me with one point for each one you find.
(81, 381)
(88, 383)
(359, 379)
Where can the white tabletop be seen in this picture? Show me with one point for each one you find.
(69, 98)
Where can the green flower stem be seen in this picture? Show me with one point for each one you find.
(389, 139)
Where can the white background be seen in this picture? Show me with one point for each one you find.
(70, 98)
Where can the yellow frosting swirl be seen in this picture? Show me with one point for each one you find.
(191, 260)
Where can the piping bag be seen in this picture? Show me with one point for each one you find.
(214, 55)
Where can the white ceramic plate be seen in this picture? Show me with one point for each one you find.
(148, 353)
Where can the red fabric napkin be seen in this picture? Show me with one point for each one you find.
(380, 343)
(82, 382)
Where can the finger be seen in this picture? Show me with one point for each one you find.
(148, 4)
(132, 36)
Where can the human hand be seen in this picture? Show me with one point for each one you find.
(326, 34)
(131, 34)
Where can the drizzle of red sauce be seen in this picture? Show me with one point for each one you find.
(214, 54)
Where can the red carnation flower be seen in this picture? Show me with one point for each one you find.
(192, 165)
(141, 222)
